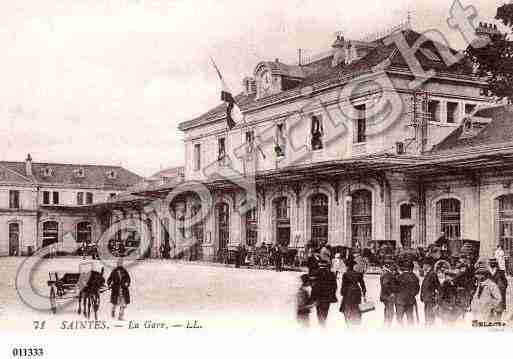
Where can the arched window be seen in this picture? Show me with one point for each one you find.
(14, 239)
(84, 232)
(319, 218)
(281, 216)
(50, 233)
(361, 218)
(449, 215)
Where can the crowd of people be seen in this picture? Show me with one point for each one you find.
(319, 287)
(448, 291)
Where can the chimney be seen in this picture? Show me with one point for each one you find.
(486, 31)
(249, 84)
(339, 51)
(28, 165)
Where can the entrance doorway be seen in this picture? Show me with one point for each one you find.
(14, 239)
(361, 218)
(406, 231)
(50, 233)
(282, 221)
(319, 219)
(223, 225)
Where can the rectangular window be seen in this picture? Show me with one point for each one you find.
(434, 110)
(452, 112)
(469, 108)
(197, 157)
(250, 141)
(80, 198)
(55, 197)
(46, 197)
(279, 140)
(360, 124)
(14, 199)
(221, 149)
(89, 198)
(316, 133)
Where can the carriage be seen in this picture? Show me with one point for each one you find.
(86, 289)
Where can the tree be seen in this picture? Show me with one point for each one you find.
(494, 61)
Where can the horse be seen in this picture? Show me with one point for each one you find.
(89, 295)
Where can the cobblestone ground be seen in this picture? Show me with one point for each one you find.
(177, 292)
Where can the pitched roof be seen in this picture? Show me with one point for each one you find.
(497, 132)
(170, 172)
(66, 174)
(322, 72)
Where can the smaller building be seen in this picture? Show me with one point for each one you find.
(40, 202)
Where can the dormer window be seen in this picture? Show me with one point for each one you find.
(111, 174)
(80, 173)
(47, 172)
(266, 83)
(317, 133)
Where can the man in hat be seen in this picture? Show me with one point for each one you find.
(499, 278)
(409, 287)
(487, 297)
(324, 291)
(389, 288)
(446, 292)
(119, 282)
(464, 283)
(429, 291)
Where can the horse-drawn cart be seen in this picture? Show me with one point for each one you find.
(72, 285)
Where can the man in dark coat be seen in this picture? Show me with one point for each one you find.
(166, 249)
(118, 282)
(312, 262)
(352, 289)
(389, 288)
(277, 257)
(324, 289)
(429, 291)
(409, 287)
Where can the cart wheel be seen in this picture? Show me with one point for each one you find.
(53, 302)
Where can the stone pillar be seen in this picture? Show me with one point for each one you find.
(348, 202)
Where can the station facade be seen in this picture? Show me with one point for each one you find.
(347, 148)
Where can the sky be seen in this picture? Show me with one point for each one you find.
(108, 81)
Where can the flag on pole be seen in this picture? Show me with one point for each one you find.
(233, 112)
